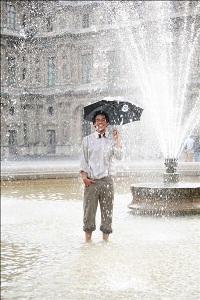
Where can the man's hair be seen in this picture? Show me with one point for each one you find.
(100, 112)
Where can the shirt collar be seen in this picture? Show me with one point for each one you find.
(102, 135)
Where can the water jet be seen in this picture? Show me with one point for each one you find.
(161, 56)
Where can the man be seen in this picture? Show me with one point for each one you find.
(97, 153)
(189, 149)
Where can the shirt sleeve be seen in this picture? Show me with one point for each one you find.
(118, 153)
(84, 166)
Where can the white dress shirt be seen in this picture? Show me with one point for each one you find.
(190, 144)
(97, 155)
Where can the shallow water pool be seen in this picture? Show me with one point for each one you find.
(45, 257)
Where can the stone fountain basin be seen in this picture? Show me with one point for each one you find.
(165, 198)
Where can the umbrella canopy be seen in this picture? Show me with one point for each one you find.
(119, 111)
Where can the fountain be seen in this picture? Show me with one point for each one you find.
(170, 175)
(161, 50)
(169, 197)
(42, 238)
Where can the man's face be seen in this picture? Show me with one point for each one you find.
(100, 123)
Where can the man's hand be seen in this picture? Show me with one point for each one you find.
(115, 134)
(87, 181)
(116, 137)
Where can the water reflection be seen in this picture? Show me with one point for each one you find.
(44, 255)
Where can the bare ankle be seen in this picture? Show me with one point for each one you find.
(105, 237)
(88, 236)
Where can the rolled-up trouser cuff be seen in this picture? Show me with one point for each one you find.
(106, 231)
(87, 229)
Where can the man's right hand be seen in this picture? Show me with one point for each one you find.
(87, 181)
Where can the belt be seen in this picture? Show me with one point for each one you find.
(102, 178)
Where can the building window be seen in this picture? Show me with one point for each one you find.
(24, 20)
(86, 128)
(64, 73)
(51, 71)
(25, 134)
(86, 67)
(10, 16)
(111, 70)
(65, 70)
(50, 110)
(85, 20)
(51, 141)
(37, 133)
(37, 75)
(24, 73)
(12, 110)
(12, 142)
(49, 24)
(111, 15)
(37, 70)
(11, 71)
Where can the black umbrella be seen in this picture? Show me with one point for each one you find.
(119, 111)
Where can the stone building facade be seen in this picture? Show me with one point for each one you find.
(57, 57)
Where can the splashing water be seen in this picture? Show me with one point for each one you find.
(160, 46)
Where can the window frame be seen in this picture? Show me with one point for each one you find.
(11, 13)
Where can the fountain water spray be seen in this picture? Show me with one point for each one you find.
(161, 49)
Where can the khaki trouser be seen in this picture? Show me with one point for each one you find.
(189, 155)
(101, 191)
